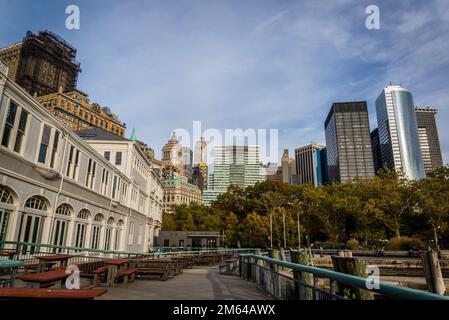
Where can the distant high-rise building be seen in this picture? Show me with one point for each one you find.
(377, 156)
(398, 132)
(42, 63)
(199, 176)
(233, 165)
(288, 168)
(428, 139)
(187, 160)
(273, 172)
(172, 159)
(311, 165)
(200, 155)
(348, 142)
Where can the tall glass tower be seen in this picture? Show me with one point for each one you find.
(398, 132)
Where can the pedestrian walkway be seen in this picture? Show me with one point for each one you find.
(199, 283)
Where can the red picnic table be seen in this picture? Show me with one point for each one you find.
(9, 253)
(45, 260)
(45, 279)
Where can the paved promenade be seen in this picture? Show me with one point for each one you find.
(199, 283)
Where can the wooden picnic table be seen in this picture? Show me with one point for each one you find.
(44, 279)
(9, 253)
(115, 269)
(11, 266)
(44, 260)
(42, 293)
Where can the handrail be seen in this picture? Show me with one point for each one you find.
(51, 246)
(384, 289)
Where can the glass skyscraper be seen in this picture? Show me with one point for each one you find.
(348, 142)
(233, 165)
(398, 132)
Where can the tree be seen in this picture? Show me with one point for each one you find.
(255, 229)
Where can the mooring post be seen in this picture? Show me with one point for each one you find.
(432, 272)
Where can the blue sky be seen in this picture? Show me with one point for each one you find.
(246, 64)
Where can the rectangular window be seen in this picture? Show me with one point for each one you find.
(54, 151)
(21, 131)
(140, 237)
(131, 233)
(91, 173)
(44, 144)
(10, 119)
(107, 155)
(104, 181)
(114, 187)
(118, 158)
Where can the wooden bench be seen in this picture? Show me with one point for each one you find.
(35, 266)
(161, 274)
(100, 275)
(128, 274)
(42, 293)
(44, 279)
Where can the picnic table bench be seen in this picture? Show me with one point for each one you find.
(162, 268)
(43, 293)
(10, 267)
(44, 279)
(229, 266)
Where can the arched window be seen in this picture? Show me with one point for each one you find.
(118, 235)
(111, 221)
(96, 231)
(107, 238)
(81, 228)
(64, 210)
(84, 214)
(36, 203)
(5, 195)
(99, 217)
(61, 225)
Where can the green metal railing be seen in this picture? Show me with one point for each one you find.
(27, 248)
(387, 290)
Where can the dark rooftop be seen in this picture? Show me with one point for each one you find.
(99, 134)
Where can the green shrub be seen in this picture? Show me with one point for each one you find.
(405, 244)
(353, 244)
(329, 245)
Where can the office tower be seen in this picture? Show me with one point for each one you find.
(377, 156)
(199, 176)
(348, 142)
(233, 165)
(42, 63)
(200, 152)
(398, 132)
(311, 165)
(187, 160)
(428, 139)
(288, 168)
(273, 172)
(74, 109)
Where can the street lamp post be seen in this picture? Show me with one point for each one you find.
(271, 230)
(283, 218)
(299, 231)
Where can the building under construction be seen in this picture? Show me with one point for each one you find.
(42, 63)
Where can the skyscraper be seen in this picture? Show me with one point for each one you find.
(288, 168)
(200, 155)
(311, 165)
(377, 156)
(348, 142)
(42, 63)
(428, 139)
(398, 132)
(233, 165)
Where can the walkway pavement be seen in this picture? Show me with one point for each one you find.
(199, 283)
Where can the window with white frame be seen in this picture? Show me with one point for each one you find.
(131, 233)
(15, 127)
(73, 163)
(140, 235)
(91, 168)
(104, 181)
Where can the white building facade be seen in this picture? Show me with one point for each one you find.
(56, 189)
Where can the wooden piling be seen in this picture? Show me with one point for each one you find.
(302, 257)
(432, 272)
(353, 266)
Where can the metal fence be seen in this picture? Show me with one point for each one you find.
(287, 285)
